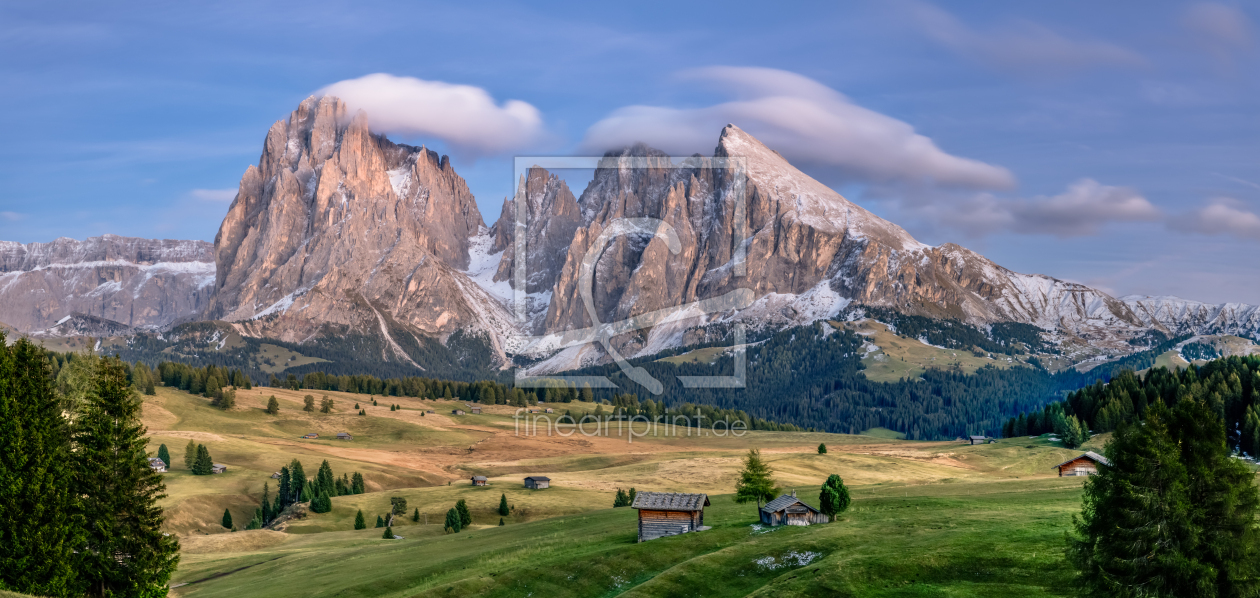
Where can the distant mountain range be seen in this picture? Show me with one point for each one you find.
(339, 233)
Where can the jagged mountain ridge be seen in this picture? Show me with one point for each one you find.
(340, 231)
(810, 253)
(142, 283)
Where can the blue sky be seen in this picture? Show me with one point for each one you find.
(1114, 144)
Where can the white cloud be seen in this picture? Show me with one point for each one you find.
(1218, 29)
(12, 216)
(223, 195)
(1021, 47)
(1083, 209)
(807, 122)
(465, 117)
(1223, 216)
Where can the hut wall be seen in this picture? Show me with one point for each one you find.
(656, 524)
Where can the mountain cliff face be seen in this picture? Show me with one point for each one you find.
(338, 230)
(143, 283)
(809, 253)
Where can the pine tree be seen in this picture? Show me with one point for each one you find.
(822, 449)
(501, 522)
(227, 519)
(756, 482)
(503, 506)
(621, 499)
(297, 481)
(273, 405)
(630, 497)
(834, 497)
(452, 524)
(379, 521)
(357, 485)
(389, 533)
(165, 455)
(359, 522)
(203, 464)
(308, 403)
(265, 509)
(37, 500)
(285, 492)
(465, 517)
(326, 405)
(125, 552)
(415, 517)
(1172, 515)
(190, 454)
(324, 479)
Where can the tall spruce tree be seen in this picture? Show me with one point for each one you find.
(38, 527)
(227, 519)
(203, 464)
(756, 481)
(357, 485)
(165, 455)
(285, 492)
(190, 454)
(124, 552)
(503, 506)
(1172, 515)
(273, 405)
(465, 516)
(325, 481)
(359, 521)
(297, 481)
(452, 524)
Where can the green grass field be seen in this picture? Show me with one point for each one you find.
(928, 518)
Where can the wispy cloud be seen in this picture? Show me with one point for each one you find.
(12, 216)
(805, 121)
(218, 195)
(1081, 210)
(465, 117)
(1219, 29)
(1019, 47)
(1222, 216)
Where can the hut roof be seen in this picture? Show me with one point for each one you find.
(670, 501)
(974, 437)
(479, 478)
(539, 478)
(784, 502)
(1091, 455)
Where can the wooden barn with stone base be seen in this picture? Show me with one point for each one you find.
(669, 513)
(1083, 465)
(789, 510)
(537, 482)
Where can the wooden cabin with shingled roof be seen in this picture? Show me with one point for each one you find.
(790, 510)
(669, 513)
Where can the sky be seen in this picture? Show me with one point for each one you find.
(1113, 144)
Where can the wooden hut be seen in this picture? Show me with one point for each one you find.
(157, 464)
(537, 482)
(479, 480)
(981, 440)
(312, 435)
(218, 468)
(789, 510)
(457, 412)
(669, 513)
(1086, 464)
(476, 410)
(344, 436)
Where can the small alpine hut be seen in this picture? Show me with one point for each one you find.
(537, 482)
(457, 412)
(789, 510)
(218, 468)
(157, 464)
(344, 436)
(1086, 464)
(476, 410)
(980, 440)
(669, 513)
(479, 480)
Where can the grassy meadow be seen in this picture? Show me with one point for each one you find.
(927, 519)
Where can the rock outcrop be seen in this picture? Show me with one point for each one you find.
(142, 283)
(339, 230)
(809, 253)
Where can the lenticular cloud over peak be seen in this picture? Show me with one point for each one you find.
(464, 116)
(806, 121)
